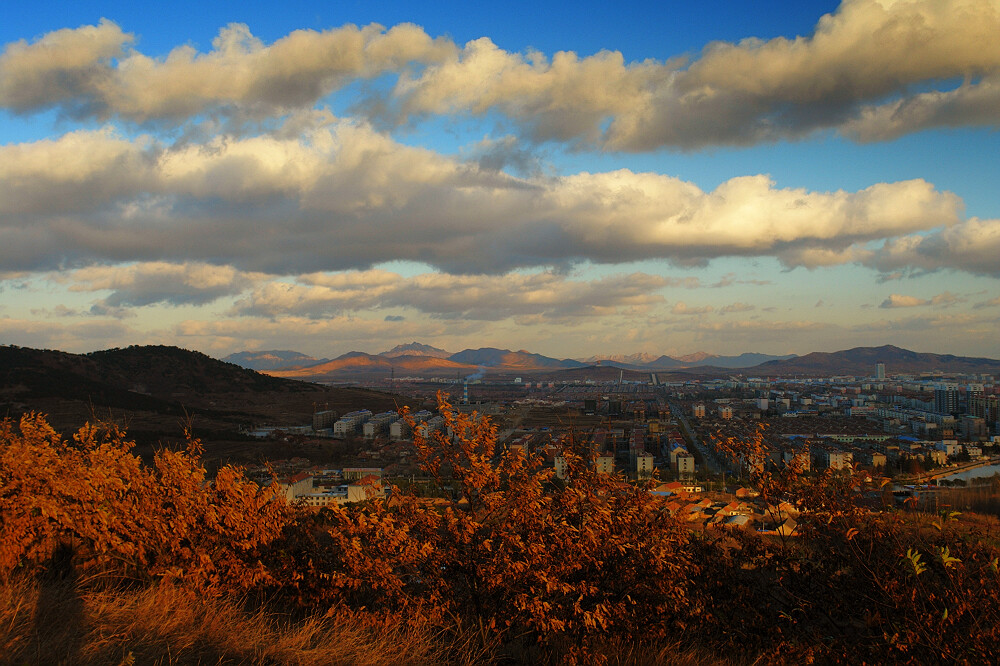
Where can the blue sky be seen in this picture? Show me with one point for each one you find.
(572, 179)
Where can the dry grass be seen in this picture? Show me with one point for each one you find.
(53, 623)
(56, 623)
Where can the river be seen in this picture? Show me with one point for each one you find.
(974, 473)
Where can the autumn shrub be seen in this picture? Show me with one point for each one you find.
(511, 563)
(509, 555)
(857, 584)
(121, 519)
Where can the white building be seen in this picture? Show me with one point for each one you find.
(292, 487)
(951, 447)
(684, 465)
(644, 466)
(605, 464)
(379, 424)
(349, 424)
(839, 459)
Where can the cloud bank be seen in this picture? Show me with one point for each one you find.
(343, 196)
(864, 71)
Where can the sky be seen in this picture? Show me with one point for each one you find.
(574, 179)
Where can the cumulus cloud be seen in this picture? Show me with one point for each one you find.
(971, 327)
(506, 153)
(159, 282)
(90, 71)
(66, 334)
(473, 297)
(865, 69)
(944, 299)
(735, 94)
(682, 308)
(730, 279)
(868, 49)
(737, 307)
(345, 196)
(901, 301)
(344, 332)
(64, 67)
(969, 105)
(992, 303)
(972, 246)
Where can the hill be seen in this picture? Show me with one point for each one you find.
(648, 362)
(861, 361)
(490, 357)
(272, 360)
(156, 389)
(415, 349)
(354, 364)
(639, 359)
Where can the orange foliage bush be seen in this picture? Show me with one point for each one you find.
(512, 555)
(124, 519)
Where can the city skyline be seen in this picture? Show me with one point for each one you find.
(721, 177)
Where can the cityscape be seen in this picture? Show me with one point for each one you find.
(914, 428)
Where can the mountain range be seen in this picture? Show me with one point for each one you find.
(272, 360)
(425, 360)
(861, 361)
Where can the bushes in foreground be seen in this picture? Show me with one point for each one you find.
(512, 567)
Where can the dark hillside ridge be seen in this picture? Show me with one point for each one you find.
(155, 388)
(272, 359)
(860, 361)
(490, 357)
(160, 370)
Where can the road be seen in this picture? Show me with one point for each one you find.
(712, 464)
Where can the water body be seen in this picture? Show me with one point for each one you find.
(969, 474)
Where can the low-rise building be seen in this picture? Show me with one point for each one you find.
(349, 424)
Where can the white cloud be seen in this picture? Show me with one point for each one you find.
(89, 71)
(66, 334)
(344, 196)
(901, 301)
(682, 308)
(63, 67)
(972, 246)
(475, 297)
(160, 282)
(969, 105)
(865, 69)
(944, 299)
(741, 93)
(737, 307)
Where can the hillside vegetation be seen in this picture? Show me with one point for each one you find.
(157, 563)
(156, 388)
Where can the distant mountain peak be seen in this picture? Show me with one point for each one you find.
(640, 358)
(272, 359)
(696, 357)
(415, 349)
